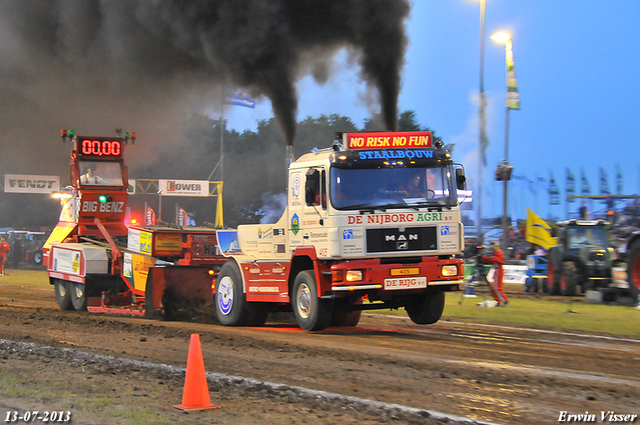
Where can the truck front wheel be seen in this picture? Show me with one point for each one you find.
(427, 309)
(230, 300)
(312, 312)
(63, 296)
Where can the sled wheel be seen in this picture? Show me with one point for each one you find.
(78, 295)
(63, 296)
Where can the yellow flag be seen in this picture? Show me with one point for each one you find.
(538, 231)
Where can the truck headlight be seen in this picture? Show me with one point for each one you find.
(354, 275)
(450, 270)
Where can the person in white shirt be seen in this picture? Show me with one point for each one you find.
(91, 178)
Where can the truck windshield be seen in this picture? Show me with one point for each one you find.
(98, 173)
(388, 188)
(587, 235)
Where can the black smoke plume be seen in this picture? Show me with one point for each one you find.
(101, 64)
(258, 44)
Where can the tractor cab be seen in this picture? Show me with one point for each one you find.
(583, 257)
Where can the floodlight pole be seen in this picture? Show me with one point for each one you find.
(506, 181)
(482, 125)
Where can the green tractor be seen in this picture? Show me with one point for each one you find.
(583, 257)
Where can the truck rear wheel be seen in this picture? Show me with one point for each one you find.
(230, 300)
(312, 312)
(427, 309)
(78, 295)
(63, 296)
(633, 270)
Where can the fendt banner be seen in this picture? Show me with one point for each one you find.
(23, 183)
(184, 187)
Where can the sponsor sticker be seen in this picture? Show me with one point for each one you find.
(295, 224)
(405, 283)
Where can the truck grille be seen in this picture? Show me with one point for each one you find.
(393, 240)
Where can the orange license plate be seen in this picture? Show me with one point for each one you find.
(409, 271)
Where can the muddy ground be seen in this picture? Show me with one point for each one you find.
(108, 369)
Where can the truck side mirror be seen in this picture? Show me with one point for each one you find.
(312, 187)
(461, 179)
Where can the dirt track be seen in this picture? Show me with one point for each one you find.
(492, 374)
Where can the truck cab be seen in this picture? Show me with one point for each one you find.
(372, 222)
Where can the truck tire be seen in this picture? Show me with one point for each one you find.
(347, 318)
(568, 279)
(633, 270)
(427, 309)
(63, 296)
(230, 300)
(78, 295)
(312, 312)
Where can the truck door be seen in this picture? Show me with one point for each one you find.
(313, 227)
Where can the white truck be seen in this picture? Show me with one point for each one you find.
(371, 223)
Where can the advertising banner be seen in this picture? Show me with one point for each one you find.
(512, 274)
(24, 183)
(184, 187)
(513, 97)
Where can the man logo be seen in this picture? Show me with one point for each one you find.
(402, 246)
(347, 234)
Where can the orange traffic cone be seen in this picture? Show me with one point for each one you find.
(196, 391)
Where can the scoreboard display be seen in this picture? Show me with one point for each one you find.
(99, 147)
